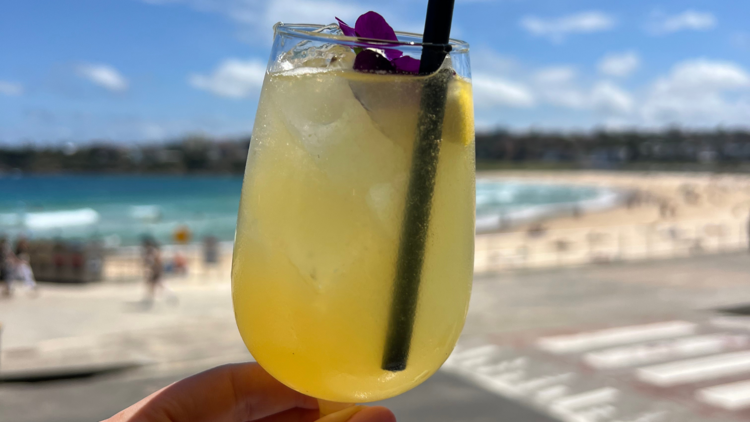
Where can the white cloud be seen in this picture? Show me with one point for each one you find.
(557, 29)
(611, 99)
(103, 75)
(619, 64)
(559, 86)
(487, 60)
(10, 88)
(263, 14)
(570, 97)
(694, 93)
(687, 20)
(257, 17)
(703, 75)
(700, 92)
(492, 91)
(310, 11)
(555, 74)
(233, 78)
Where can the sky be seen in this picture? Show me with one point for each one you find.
(150, 70)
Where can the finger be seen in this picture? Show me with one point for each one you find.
(260, 395)
(293, 415)
(230, 393)
(342, 415)
(374, 414)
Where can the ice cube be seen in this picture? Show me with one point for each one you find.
(341, 58)
(392, 101)
(307, 54)
(386, 200)
(307, 98)
(320, 111)
(330, 29)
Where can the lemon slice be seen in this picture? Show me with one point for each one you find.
(458, 123)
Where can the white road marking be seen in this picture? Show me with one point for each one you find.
(493, 384)
(694, 370)
(500, 367)
(462, 354)
(582, 342)
(551, 393)
(647, 417)
(495, 377)
(477, 361)
(501, 371)
(585, 407)
(602, 413)
(734, 396)
(543, 382)
(587, 399)
(641, 354)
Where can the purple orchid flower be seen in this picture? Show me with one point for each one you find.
(373, 26)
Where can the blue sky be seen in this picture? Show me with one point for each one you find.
(147, 70)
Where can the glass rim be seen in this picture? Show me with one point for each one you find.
(301, 30)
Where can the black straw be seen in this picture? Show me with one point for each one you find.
(416, 222)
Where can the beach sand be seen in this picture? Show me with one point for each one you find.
(713, 197)
(666, 215)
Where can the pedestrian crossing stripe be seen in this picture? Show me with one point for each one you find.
(581, 342)
(695, 370)
(663, 355)
(734, 396)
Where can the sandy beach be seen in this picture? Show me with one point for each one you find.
(713, 196)
(662, 215)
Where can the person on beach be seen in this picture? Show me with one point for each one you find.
(22, 265)
(5, 267)
(238, 393)
(210, 252)
(179, 264)
(154, 270)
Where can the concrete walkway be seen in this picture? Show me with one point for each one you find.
(79, 329)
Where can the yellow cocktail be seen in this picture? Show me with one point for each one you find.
(319, 229)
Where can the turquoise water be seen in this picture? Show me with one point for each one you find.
(124, 208)
(509, 203)
(494, 197)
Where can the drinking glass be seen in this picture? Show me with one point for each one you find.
(322, 213)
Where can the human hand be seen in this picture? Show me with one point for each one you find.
(234, 393)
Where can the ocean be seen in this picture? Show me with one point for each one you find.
(502, 205)
(122, 209)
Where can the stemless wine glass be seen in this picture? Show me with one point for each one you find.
(320, 221)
